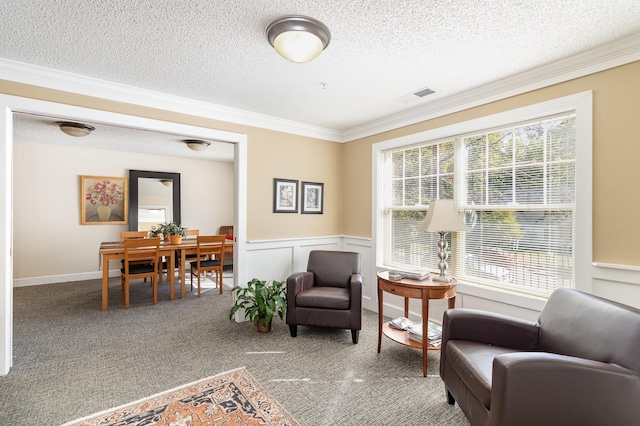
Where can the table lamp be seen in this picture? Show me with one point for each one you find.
(442, 218)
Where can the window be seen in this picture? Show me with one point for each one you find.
(515, 186)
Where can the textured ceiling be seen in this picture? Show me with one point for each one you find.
(38, 129)
(216, 51)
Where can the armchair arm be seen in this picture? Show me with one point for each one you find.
(488, 327)
(355, 286)
(299, 281)
(546, 389)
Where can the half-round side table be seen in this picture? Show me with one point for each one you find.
(412, 289)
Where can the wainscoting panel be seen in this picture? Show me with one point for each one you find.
(269, 264)
(367, 269)
(277, 259)
(620, 283)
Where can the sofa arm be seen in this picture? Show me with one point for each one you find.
(488, 327)
(538, 388)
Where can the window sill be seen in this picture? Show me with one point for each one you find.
(513, 298)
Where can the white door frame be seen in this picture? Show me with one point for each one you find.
(13, 104)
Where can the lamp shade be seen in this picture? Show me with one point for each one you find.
(443, 217)
(298, 38)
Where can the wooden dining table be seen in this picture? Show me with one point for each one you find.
(114, 250)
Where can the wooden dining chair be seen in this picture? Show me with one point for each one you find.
(127, 235)
(141, 259)
(192, 233)
(228, 231)
(209, 258)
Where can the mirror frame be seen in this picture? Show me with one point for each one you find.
(133, 194)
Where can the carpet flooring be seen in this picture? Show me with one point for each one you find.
(71, 359)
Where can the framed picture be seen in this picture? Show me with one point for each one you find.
(312, 197)
(104, 200)
(285, 196)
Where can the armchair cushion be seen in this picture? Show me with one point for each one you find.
(475, 366)
(324, 298)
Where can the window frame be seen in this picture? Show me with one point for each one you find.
(581, 104)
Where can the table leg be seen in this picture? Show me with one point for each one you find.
(171, 274)
(425, 329)
(406, 307)
(105, 282)
(379, 318)
(452, 302)
(183, 261)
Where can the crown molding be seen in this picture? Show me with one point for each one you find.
(607, 56)
(75, 83)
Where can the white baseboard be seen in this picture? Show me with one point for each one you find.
(63, 278)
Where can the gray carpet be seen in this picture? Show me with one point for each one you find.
(71, 359)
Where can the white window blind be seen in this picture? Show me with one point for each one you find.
(515, 187)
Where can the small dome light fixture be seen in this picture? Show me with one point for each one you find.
(166, 182)
(77, 130)
(197, 144)
(298, 38)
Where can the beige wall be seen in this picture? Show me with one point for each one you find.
(48, 237)
(616, 152)
(271, 154)
(346, 169)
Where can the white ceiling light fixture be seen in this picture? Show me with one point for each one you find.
(166, 182)
(197, 144)
(298, 38)
(77, 130)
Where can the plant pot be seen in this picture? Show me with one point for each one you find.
(175, 239)
(261, 327)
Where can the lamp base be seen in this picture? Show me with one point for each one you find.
(442, 279)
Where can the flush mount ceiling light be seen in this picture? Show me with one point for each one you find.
(166, 182)
(75, 129)
(197, 144)
(298, 38)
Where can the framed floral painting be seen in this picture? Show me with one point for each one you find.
(104, 200)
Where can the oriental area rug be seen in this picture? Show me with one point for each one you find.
(231, 398)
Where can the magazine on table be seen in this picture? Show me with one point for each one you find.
(401, 323)
(434, 333)
(417, 274)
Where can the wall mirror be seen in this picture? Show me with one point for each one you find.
(154, 197)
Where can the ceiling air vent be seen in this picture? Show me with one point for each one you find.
(414, 96)
(424, 92)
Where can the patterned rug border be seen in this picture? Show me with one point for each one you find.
(178, 388)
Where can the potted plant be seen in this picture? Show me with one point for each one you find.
(157, 230)
(175, 232)
(261, 300)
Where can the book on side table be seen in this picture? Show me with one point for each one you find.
(418, 274)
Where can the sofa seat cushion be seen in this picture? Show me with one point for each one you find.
(324, 298)
(473, 362)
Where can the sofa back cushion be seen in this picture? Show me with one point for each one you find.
(582, 325)
(333, 268)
